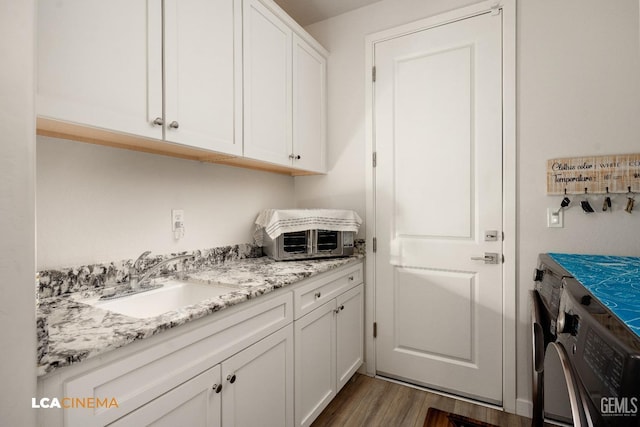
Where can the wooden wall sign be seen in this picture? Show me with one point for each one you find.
(597, 174)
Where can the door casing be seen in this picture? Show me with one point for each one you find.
(508, 7)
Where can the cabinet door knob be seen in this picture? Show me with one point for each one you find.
(295, 157)
(174, 125)
(217, 388)
(158, 121)
(351, 278)
(342, 307)
(231, 378)
(317, 294)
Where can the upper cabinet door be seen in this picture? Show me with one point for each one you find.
(202, 93)
(267, 85)
(309, 107)
(100, 63)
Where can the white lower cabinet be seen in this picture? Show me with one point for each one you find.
(258, 383)
(349, 334)
(195, 403)
(251, 388)
(276, 361)
(315, 363)
(328, 351)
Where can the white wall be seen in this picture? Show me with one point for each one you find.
(98, 203)
(578, 94)
(17, 214)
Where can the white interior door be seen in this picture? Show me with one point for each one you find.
(438, 191)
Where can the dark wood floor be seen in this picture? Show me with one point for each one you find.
(367, 401)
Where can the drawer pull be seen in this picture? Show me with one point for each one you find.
(351, 278)
(318, 295)
(339, 309)
(231, 378)
(217, 388)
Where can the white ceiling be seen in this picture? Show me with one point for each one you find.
(307, 12)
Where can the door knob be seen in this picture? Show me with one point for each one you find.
(488, 258)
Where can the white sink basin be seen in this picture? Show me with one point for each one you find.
(173, 295)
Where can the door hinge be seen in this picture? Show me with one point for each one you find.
(375, 329)
(373, 73)
(375, 244)
(375, 159)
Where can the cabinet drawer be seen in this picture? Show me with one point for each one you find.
(311, 296)
(143, 376)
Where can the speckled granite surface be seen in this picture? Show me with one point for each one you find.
(77, 331)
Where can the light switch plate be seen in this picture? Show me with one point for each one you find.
(177, 219)
(555, 218)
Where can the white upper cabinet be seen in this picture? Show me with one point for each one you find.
(284, 92)
(267, 85)
(190, 78)
(100, 63)
(309, 107)
(201, 65)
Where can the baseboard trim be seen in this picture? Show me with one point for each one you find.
(524, 407)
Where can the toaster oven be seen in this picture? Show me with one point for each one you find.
(309, 244)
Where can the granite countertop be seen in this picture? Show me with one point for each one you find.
(77, 331)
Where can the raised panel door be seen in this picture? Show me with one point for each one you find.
(349, 334)
(258, 383)
(309, 107)
(195, 403)
(267, 85)
(203, 74)
(438, 133)
(100, 64)
(315, 364)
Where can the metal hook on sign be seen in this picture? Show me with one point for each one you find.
(565, 202)
(606, 204)
(585, 204)
(630, 201)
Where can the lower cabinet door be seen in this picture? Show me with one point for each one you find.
(258, 383)
(350, 333)
(196, 403)
(315, 372)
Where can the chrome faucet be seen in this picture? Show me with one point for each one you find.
(138, 278)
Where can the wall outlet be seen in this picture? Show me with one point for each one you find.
(177, 223)
(555, 218)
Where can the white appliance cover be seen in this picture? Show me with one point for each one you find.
(278, 221)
